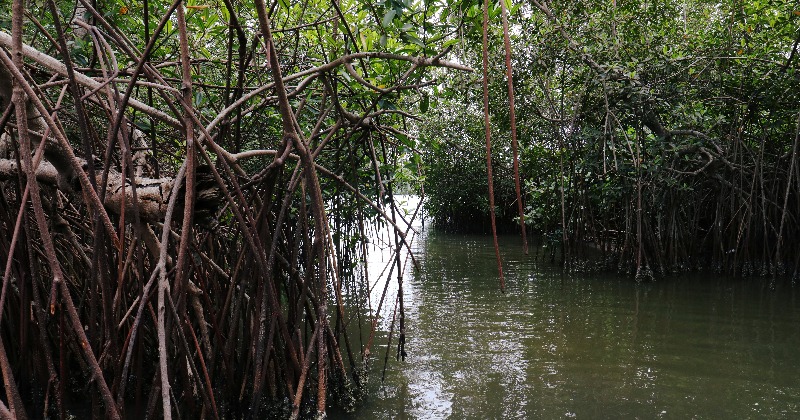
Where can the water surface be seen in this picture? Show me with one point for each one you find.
(580, 346)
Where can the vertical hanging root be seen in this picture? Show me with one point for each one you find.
(513, 115)
(489, 141)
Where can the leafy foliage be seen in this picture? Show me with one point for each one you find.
(204, 188)
(671, 127)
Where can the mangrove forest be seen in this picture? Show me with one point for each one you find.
(189, 189)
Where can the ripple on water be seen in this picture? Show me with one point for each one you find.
(563, 346)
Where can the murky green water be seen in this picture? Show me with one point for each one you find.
(561, 346)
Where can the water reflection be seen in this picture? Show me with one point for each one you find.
(593, 346)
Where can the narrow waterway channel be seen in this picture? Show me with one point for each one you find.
(581, 346)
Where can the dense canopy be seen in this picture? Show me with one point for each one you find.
(663, 134)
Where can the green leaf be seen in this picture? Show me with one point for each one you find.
(386, 104)
(424, 104)
(414, 40)
(199, 98)
(388, 17)
(450, 42)
(403, 139)
(143, 125)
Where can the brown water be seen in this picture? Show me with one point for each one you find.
(581, 346)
